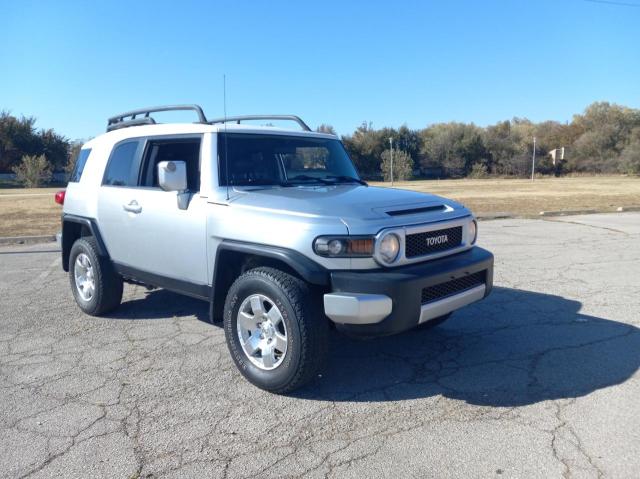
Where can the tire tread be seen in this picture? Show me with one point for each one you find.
(109, 284)
(314, 330)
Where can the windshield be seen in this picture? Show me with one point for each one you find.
(283, 160)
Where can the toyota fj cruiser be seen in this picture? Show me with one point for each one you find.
(274, 228)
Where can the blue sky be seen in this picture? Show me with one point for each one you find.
(73, 64)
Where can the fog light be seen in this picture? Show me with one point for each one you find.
(472, 232)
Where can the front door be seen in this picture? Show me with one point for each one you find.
(155, 235)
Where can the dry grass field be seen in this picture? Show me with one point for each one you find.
(28, 212)
(33, 212)
(527, 198)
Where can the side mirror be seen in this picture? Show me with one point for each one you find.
(172, 175)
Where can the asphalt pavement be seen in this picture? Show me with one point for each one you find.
(538, 380)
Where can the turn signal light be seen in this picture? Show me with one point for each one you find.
(362, 247)
(60, 197)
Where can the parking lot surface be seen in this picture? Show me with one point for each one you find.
(538, 380)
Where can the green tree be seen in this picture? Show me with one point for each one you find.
(402, 165)
(365, 147)
(324, 128)
(630, 156)
(33, 170)
(453, 146)
(606, 130)
(503, 146)
(409, 141)
(55, 147)
(72, 154)
(478, 171)
(17, 138)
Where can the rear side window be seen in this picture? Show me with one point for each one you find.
(122, 169)
(81, 160)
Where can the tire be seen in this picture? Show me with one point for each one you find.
(106, 293)
(434, 322)
(296, 318)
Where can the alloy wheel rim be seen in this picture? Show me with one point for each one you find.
(84, 277)
(262, 332)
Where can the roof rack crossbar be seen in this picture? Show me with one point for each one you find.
(120, 121)
(239, 119)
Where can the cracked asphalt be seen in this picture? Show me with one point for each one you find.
(539, 380)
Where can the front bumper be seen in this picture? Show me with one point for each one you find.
(389, 301)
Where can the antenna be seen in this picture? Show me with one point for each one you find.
(226, 152)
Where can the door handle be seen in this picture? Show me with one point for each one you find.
(132, 207)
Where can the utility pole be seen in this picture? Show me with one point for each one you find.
(533, 159)
(391, 146)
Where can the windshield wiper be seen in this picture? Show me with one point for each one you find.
(326, 180)
(300, 178)
(347, 179)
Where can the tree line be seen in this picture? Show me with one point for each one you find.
(605, 138)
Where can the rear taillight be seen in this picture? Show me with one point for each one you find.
(60, 197)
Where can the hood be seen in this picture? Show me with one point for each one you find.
(357, 206)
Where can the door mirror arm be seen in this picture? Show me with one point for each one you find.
(183, 199)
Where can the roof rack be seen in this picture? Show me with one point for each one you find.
(238, 119)
(118, 121)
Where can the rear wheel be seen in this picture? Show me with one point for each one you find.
(96, 287)
(274, 331)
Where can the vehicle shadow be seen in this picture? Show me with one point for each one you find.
(161, 304)
(514, 348)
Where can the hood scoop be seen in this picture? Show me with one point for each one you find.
(416, 210)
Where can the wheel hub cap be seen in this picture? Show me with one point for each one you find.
(262, 332)
(84, 277)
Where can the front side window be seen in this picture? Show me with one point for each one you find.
(282, 160)
(122, 169)
(81, 160)
(187, 150)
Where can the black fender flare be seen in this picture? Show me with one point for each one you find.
(68, 240)
(306, 268)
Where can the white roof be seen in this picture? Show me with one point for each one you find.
(196, 128)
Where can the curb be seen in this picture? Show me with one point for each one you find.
(571, 212)
(497, 216)
(502, 216)
(27, 239)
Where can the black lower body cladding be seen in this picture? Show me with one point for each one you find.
(405, 285)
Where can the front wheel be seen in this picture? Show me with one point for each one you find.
(275, 334)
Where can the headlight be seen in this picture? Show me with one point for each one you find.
(344, 246)
(472, 232)
(389, 247)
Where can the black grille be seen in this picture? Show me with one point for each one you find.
(420, 244)
(455, 286)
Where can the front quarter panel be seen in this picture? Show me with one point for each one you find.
(283, 229)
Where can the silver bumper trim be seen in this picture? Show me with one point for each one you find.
(439, 308)
(354, 308)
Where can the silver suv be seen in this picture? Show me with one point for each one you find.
(273, 227)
